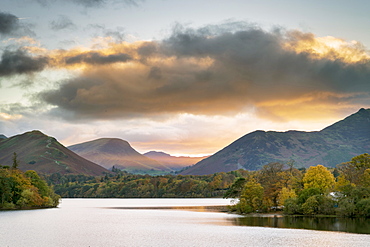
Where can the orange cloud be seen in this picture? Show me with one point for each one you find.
(327, 47)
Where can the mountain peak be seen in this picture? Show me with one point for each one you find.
(355, 125)
(106, 140)
(158, 154)
(44, 154)
(362, 110)
(34, 133)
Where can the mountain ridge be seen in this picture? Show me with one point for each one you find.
(109, 152)
(332, 145)
(44, 154)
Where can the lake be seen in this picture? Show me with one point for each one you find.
(152, 222)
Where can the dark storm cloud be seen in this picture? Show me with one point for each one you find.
(207, 71)
(19, 62)
(63, 22)
(259, 58)
(70, 91)
(8, 23)
(96, 58)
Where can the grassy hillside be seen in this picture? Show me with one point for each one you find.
(44, 154)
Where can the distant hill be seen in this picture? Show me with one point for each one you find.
(44, 154)
(331, 146)
(176, 163)
(109, 152)
(3, 137)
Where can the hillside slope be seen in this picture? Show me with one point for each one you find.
(44, 154)
(333, 145)
(109, 152)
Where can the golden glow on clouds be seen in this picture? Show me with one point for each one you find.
(7, 116)
(132, 76)
(327, 47)
(317, 105)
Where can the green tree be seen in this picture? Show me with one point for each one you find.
(39, 183)
(15, 161)
(363, 207)
(291, 206)
(236, 188)
(251, 197)
(355, 170)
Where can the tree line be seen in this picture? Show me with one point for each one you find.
(341, 191)
(121, 184)
(20, 190)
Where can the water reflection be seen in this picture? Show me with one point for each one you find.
(154, 222)
(352, 225)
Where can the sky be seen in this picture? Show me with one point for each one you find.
(182, 77)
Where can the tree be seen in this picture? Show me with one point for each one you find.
(363, 207)
(39, 183)
(318, 177)
(236, 188)
(271, 177)
(355, 170)
(20, 191)
(251, 198)
(285, 194)
(15, 161)
(342, 183)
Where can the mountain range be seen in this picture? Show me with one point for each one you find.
(109, 152)
(44, 154)
(331, 146)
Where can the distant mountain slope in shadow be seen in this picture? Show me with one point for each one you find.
(331, 146)
(174, 162)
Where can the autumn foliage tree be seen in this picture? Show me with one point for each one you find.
(24, 190)
(318, 177)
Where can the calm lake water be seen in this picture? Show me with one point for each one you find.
(121, 222)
